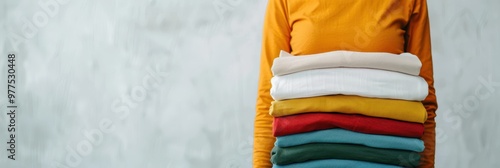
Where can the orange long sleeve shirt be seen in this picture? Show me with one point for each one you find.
(315, 26)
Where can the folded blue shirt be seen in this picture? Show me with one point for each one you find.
(337, 163)
(345, 136)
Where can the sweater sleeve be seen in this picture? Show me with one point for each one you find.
(418, 42)
(276, 37)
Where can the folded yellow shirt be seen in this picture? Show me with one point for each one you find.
(403, 110)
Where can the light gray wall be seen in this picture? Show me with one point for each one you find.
(186, 72)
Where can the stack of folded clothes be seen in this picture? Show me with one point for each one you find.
(347, 109)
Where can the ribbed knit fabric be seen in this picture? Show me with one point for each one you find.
(301, 123)
(349, 81)
(336, 163)
(403, 110)
(404, 62)
(350, 137)
(302, 153)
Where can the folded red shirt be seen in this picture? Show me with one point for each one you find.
(307, 122)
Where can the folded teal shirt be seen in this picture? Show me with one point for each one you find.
(351, 137)
(337, 163)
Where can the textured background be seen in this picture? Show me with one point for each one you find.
(178, 81)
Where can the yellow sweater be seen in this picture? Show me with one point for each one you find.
(402, 110)
(304, 27)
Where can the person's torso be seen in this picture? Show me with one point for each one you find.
(356, 25)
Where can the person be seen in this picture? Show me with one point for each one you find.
(315, 26)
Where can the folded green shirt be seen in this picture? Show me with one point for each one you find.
(316, 151)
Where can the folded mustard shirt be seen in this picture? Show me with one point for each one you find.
(411, 111)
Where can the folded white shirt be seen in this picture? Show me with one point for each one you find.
(349, 81)
(404, 63)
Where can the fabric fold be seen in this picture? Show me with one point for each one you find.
(318, 151)
(350, 137)
(307, 122)
(336, 163)
(286, 63)
(349, 81)
(403, 110)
